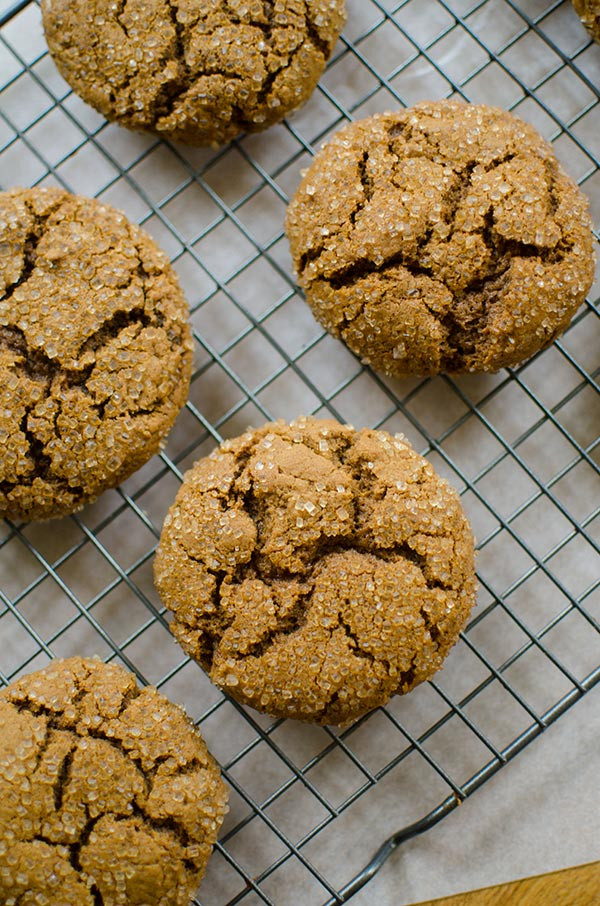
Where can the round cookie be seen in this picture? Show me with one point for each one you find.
(314, 571)
(193, 71)
(445, 237)
(589, 13)
(107, 792)
(95, 350)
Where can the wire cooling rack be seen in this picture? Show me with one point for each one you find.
(523, 446)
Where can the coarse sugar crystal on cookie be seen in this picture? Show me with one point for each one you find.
(195, 71)
(95, 350)
(314, 570)
(108, 793)
(442, 238)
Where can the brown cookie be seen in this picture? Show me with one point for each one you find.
(95, 350)
(314, 571)
(589, 13)
(194, 71)
(107, 793)
(445, 237)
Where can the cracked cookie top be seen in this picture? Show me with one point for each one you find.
(198, 71)
(589, 13)
(445, 237)
(314, 571)
(108, 795)
(95, 350)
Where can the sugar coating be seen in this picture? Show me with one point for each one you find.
(589, 13)
(108, 795)
(95, 350)
(445, 237)
(314, 571)
(198, 71)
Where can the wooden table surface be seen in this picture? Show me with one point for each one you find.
(572, 887)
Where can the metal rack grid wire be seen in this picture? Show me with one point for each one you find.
(522, 446)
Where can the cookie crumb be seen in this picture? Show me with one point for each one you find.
(589, 13)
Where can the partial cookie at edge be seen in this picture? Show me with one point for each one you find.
(95, 350)
(191, 71)
(107, 792)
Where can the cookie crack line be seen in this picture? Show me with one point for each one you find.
(292, 622)
(288, 625)
(432, 629)
(271, 77)
(64, 774)
(407, 677)
(506, 252)
(241, 118)
(364, 266)
(180, 50)
(42, 462)
(97, 895)
(164, 103)
(43, 747)
(265, 27)
(455, 194)
(314, 34)
(42, 465)
(54, 723)
(30, 245)
(38, 366)
(62, 779)
(74, 849)
(327, 546)
(119, 9)
(36, 360)
(172, 827)
(356, 647)
(367, 195)
(86, 833)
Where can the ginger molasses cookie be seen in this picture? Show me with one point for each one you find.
(193, 71)
(445, 237)
(107, 792)
(95, 350)
(314, 571)
(589, 13)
